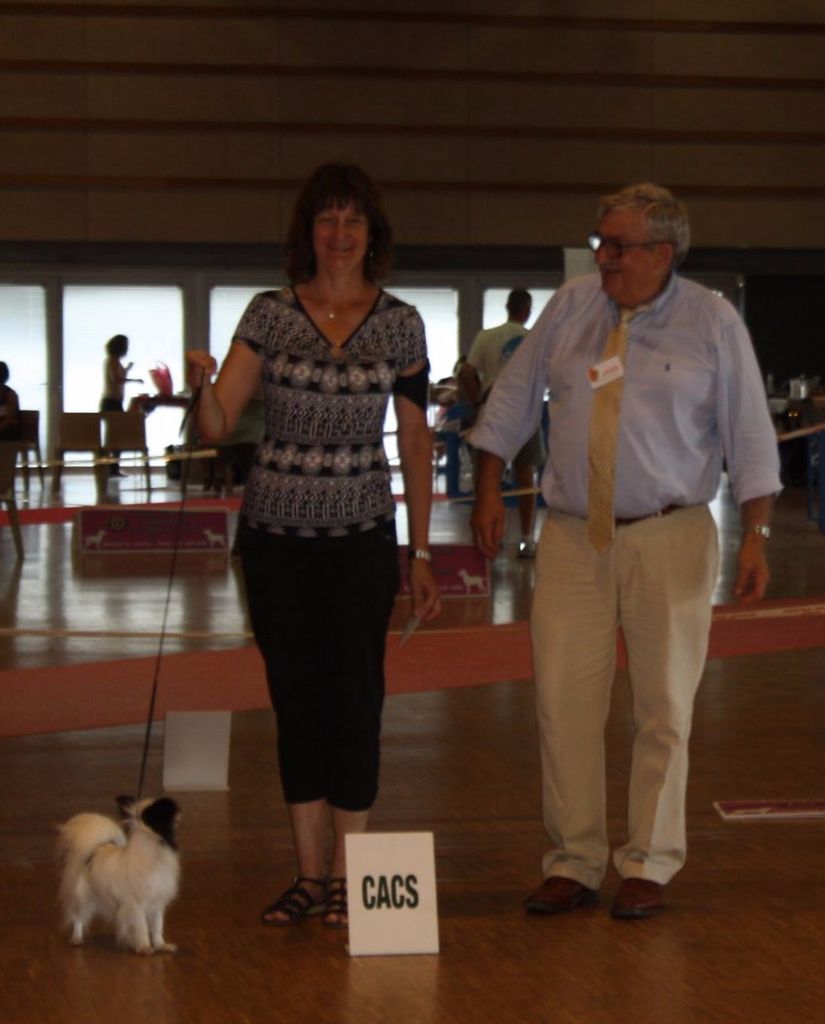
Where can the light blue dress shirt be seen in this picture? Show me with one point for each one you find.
(693, 395)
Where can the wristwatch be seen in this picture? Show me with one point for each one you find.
(762, 529)
(425, 556)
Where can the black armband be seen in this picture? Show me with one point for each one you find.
(416, 387)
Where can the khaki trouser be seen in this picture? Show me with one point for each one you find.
(656, 581)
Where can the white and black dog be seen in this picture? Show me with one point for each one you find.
(125, 873)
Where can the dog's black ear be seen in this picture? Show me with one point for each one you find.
(161, 817)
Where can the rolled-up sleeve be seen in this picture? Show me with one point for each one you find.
(746, 430)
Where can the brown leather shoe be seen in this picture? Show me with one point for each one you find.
(558, 895)
(637, 898)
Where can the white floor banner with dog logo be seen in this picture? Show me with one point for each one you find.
(392, 896)
(115, 529)
(460, 570)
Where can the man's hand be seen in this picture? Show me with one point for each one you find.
(752, 575)
(487, 520)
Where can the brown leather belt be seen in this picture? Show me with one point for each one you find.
(651, 515)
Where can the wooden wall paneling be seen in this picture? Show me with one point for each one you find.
(530, 218)
(756, 13)
(188, 96)
(543, 49)
(191, 155)
(766, 165)
(433, 217)
(459, 68)
(732, 55)
(180, 40)
(28, 153)
(740, 110)
(757, 222)
(587, 106)
(41, 95)
(386, 158)
(370, 44)
(193, 215)
(552, 160)
(28, 214)
(31, 36)
(373, 101)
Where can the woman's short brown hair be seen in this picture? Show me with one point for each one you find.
(337, 185)
(118, 345)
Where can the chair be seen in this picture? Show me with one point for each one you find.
(79, 432)
(8, 461)
(30, 442)
(126, 431)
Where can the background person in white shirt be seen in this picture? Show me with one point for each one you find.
(489, 354)
(692, 395)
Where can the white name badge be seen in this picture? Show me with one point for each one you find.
(391, 892)
(605, 372)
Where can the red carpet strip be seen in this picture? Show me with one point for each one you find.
(107, 693)
(67, 514)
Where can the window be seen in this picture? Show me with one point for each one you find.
(226, 306)
(152, 319)
(439, 311)
(23, 345)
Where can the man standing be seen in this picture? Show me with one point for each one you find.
(653, 382)
(489, 354)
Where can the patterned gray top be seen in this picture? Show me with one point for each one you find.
(321, 469)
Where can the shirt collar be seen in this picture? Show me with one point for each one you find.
(655, 304)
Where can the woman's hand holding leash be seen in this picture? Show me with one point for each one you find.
(426, 602)
(200, 367)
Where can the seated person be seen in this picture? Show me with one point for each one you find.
(9, 408)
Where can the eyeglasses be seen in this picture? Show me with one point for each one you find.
(615, 250)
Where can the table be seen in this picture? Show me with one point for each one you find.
(148, 403)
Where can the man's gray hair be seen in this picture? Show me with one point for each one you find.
(667, 218)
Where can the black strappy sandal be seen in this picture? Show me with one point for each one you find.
(336, 912)
(296, 903)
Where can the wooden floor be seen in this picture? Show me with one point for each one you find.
(743, 938)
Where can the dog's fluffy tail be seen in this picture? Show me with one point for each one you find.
(78, 838)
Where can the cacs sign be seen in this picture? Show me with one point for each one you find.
(392, 896)
(382, 892)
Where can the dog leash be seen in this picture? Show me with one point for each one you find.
(184, 482)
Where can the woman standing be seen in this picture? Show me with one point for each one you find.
(318, 539)
(115, 374)
(115, 377)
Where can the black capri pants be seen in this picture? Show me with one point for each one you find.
(319, 609)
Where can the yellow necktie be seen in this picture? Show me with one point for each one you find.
(601, 452)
